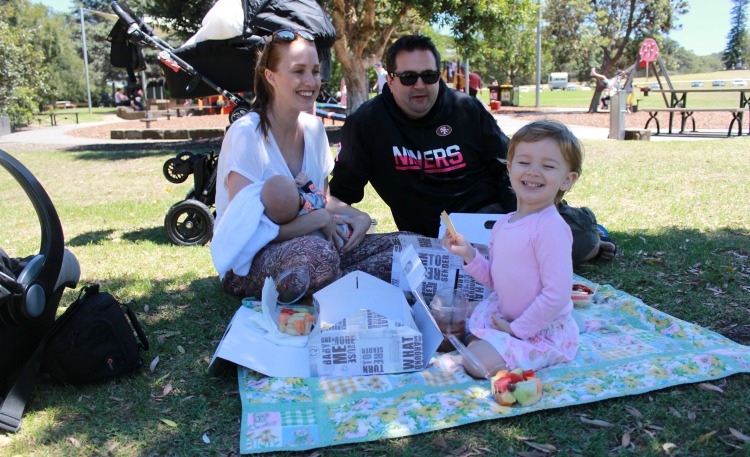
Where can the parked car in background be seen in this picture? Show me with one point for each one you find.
(571, 87)
(653, 85)
(557, 81)
(718, 83)
(697, 84)
(739, 82)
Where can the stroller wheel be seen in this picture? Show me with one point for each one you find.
(172, 171)
(189, 223)
(185, 156)
(237, 112)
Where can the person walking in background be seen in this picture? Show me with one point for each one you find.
(631, 102)
(452, 70)
(381, 75)
(342, 91)
(475, 83)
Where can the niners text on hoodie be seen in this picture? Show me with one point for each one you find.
(447, 160)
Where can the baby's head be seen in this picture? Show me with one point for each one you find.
(570, 147)
(280, 198)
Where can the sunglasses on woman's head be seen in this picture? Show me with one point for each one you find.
(409, 78)
(287, 36)
(291, 35)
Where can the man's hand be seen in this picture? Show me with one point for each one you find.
(358, 220)
(360, 224)
(329, 227)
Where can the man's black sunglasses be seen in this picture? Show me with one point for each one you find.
(287, 36)
(409, 78)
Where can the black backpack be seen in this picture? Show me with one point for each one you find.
(93, 341)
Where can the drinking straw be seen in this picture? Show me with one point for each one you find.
(467, 354)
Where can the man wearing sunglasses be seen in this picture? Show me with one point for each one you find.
(425, 148)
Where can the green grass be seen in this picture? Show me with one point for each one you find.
(678, 211)
(582, 99)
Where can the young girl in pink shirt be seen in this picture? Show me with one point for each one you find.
(526, 322)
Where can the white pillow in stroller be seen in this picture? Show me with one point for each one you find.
(223, 21)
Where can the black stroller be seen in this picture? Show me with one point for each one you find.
(30, 292)
(201, 69)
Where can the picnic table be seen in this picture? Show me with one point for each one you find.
(53, 116)
(677, 104)
(678, 97)
(687, 114)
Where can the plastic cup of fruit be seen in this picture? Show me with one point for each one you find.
(581, 295)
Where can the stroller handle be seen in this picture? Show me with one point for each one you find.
(122, 14)
(138, 30)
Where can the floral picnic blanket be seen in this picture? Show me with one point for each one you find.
(628, 348)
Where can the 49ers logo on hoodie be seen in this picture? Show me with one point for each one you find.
(444, 130)
(438, 160)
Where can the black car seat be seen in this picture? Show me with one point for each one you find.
(29, 301)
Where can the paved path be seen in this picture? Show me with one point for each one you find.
(510, 124)
(58, 135)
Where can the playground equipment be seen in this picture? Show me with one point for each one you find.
(331, 111)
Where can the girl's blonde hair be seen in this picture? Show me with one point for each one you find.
(571, 148)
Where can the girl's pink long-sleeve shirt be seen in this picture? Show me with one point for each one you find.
(530, 269)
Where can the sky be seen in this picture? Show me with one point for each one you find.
(704, 28)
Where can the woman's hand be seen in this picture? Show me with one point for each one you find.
(501, 324)
(307, 223)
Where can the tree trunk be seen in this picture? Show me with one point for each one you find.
(596, 99)
(357, 87)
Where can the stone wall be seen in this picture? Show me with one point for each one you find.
(123, 112)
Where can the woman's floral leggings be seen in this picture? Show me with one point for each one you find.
(374, 255)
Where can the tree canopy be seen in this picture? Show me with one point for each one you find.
(736, 50)
(496, 36)
(605, 33)
(366, 28)
(23, 75)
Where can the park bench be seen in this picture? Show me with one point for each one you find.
(53, 117)
(687, 113)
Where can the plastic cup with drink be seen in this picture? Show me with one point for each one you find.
(450, 309)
